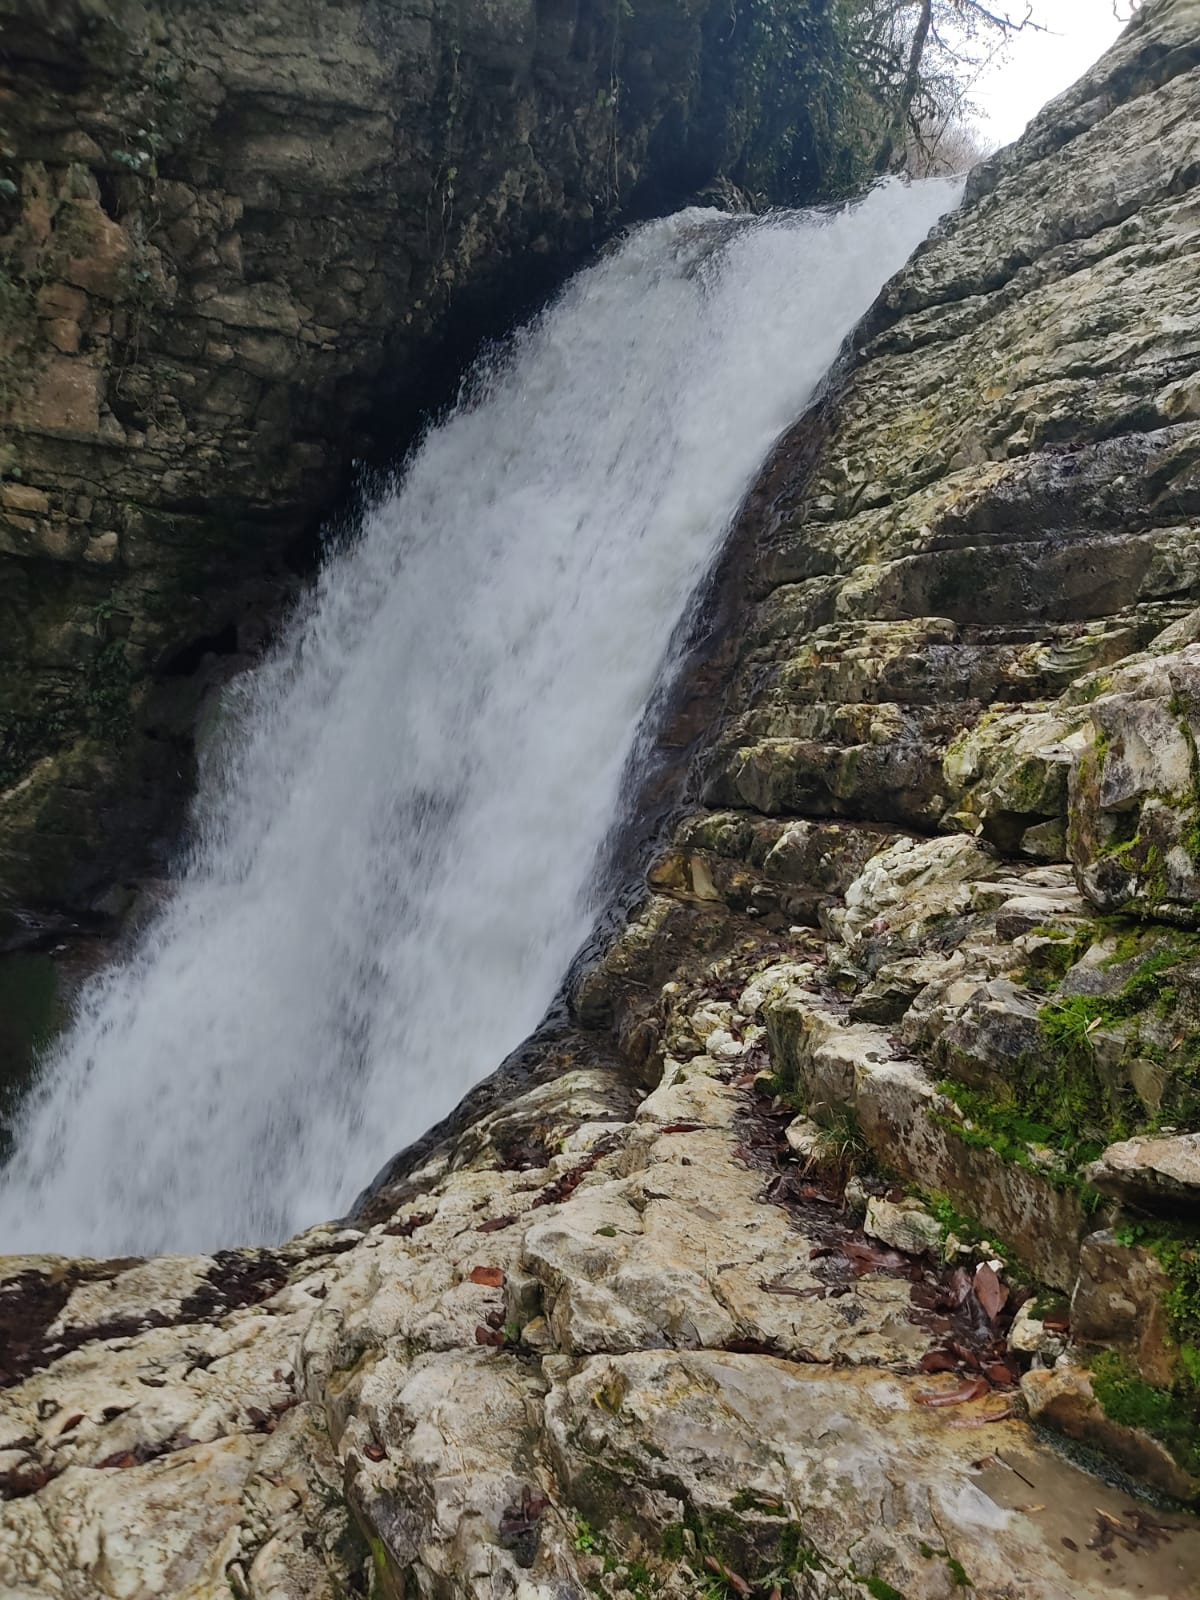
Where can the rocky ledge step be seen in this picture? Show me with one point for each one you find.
(933, 660)
(838, 1066)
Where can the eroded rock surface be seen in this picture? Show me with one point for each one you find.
(661, 1356)
(923, 953)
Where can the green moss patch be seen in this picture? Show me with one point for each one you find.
(1151, 1011)
(966, 1229)
(1171, 1416)
(879, 1590)
(1177, 1249)
(1011, 1122)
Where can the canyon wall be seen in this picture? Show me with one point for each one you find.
(238, 247)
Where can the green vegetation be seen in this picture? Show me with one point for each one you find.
(1008, 1122)
(710, 1547)
(1067, 1022)
(879, 1590)
(635, 1577)
(1060, 1097)
(1177, 1249)
(108, 692)
(822, 95)
(967, 1229)
(1077, 1094)
(379, 1557)
(724, 1553)
(774, 1086)
(958, 1572)
(1171, 1415)
(842, 1149)
(1066, 948)
(1143, 859)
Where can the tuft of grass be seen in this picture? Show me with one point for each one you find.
(842, 1149)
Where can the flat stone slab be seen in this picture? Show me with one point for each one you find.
(1158, 1174)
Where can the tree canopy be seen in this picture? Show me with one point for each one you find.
(881, 83)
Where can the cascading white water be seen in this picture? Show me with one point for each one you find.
(396, 829)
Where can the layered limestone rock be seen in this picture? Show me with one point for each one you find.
(969, 615)
(231, 238)
(922, 952)
(627, 1348)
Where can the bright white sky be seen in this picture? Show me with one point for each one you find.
(1037, 66)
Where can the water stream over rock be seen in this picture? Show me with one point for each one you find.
(392, 856)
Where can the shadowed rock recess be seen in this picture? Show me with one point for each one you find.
(871, 1139)
(234, 239)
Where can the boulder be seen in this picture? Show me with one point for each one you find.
(1152, 1173)
(1118, 1303)
(1063, 1398)
(1135, 804)
(905, 1225)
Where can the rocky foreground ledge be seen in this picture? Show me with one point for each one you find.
(855, 1217)
(596, 1348)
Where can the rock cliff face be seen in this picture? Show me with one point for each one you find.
(929, 926)
(231, 238)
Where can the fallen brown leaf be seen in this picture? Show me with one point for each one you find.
(866, 1258)
(817, 1292)
(955, 1397)
(496, 1224)
(489, 1277)
(28, 1478)
(733, 1579)
(989, 1291)
(938, 1361)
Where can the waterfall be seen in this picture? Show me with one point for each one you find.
(398, 820)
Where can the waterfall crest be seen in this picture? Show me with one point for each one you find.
(396, 827)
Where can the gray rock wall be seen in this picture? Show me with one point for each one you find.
(231, 237)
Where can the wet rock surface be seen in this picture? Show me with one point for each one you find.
(1157, 1174)
(666, 1354)
(870, 1138)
